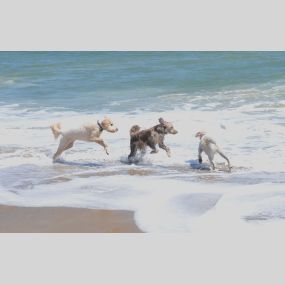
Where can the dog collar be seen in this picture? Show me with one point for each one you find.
(100, 126)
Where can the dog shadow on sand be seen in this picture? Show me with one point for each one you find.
(76, 163)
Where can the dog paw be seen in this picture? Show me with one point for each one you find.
(168, 154)
(106, 150)
(55, 159)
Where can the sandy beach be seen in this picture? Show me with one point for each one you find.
(65, 220)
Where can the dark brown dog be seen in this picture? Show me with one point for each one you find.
(150, 137)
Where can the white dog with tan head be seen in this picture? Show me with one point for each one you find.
(88, 132)
(210, 147)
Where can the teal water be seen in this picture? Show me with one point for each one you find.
(124, 81)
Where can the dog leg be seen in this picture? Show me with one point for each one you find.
(152, 144)
(102, 143)
(63, 145)
(212, 164)
(133, 151)
(69, 146)
(200, 158)
(153, 147)
(211, 158)
(200, 150)
(167, 149)
(224, 156)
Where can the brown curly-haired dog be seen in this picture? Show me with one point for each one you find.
(140, 139)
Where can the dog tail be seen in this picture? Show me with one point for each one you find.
(134, 129)
(56, 130)
(224, 156)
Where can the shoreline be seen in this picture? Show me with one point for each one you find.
(14, 219)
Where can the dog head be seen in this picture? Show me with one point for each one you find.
(107, 125)
(200, 134)
(168, 128)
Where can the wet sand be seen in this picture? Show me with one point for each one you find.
(65, 220)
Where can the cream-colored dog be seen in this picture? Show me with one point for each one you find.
(89, 133)
(209, 146)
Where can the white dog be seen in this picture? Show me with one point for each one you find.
(90, 133)
(209, 146)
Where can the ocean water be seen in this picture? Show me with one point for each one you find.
(237, 97)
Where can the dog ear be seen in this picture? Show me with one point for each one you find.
(107, 119)
(161, 121)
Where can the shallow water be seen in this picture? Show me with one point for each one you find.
(238, 97)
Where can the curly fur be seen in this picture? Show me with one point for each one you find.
(141, 139)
